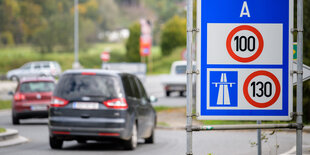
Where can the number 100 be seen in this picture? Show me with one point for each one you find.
(243, 43)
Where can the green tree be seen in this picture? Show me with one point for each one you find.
(173, 35)
(133, 43)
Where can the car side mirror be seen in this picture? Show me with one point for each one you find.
(153, 99)
(11, 93)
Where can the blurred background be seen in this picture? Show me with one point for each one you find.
(34, 30)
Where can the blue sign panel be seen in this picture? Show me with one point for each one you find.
(244, 61)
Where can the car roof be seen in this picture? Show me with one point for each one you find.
(42, 62)
(179, 63)
(37, 79)
(97, 71)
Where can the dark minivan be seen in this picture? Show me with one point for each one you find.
(100, 105)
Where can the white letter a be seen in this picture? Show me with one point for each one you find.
(247, 12)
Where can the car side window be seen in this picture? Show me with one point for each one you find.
(141, 88)
(27, 66)
(127, 86)
(37, 66)
(135, 88)
(46, 65)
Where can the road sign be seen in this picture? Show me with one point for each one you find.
(294, 51)
(305, 75)
(145, 45)
(244, 59)
(105, 56)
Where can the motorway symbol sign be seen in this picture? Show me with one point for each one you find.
(223, 86)
(244, 59)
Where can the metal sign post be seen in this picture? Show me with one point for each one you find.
(189, 72)
(76, 63)
(299, 77)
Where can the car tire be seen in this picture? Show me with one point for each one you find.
(150, 140)
(181, 93)
(167, 93)
(55, 143)
(132, 143)
(14, 78)
(15, 120)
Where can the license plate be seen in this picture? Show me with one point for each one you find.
(38, 107)
(85, 105)
(178, 88)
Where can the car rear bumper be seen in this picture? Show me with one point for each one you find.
(89, 129)
(175, 87)
(32, 114)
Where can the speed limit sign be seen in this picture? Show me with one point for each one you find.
(244, 59)
(247, 45)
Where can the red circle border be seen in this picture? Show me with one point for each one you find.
(257, 104)
(260, 41)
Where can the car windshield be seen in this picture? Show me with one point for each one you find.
(75, 86)
(181, 69)
(29, 87)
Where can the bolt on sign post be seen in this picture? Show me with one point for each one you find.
(244, 58)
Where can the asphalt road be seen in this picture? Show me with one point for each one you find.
(168, 142)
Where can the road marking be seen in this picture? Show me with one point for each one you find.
(292, 151)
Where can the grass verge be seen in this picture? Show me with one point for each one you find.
(5, 104)
(2, 130)
(162, 108)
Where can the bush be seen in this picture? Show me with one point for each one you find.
(133, 43)
(6, 38)
(173, 35)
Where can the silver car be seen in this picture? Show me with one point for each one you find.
(35, 68)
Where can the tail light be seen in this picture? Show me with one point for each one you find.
(58, 102)
(19, 97)
(119, 103)
(88, 73)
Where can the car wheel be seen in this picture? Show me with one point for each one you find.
(150, 140)
(14, 78)
(132, 143)
(167, 93)
(15, 120)
(181, 93)
(55, 143)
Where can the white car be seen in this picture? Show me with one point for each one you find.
(176, 80)
(35, 68)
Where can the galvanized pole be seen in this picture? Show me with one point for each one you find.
(299, 77)
(189, 88)
(259, 140)
(76, 63)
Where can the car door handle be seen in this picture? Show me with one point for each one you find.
(85, 116)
